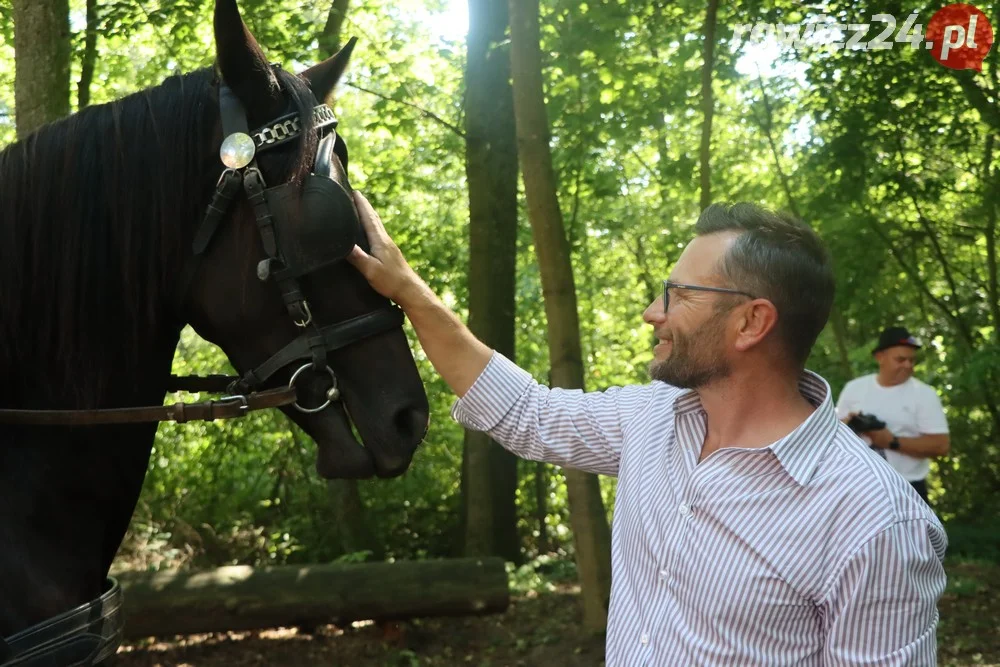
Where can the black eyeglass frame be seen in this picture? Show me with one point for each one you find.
(668, 285)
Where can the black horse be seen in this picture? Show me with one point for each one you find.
(120, 225)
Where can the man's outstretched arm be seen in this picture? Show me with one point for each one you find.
(457, 355)
(564, 427)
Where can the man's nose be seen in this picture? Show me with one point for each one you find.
(654, 312)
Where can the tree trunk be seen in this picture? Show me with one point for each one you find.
(243, 598)
(489, 472)
(542, 505)
(352, 531)
(837, 320)
(89, 57)
(329, 39)
(588, 518)
(991, 190)
(41, 63)
(707, 102)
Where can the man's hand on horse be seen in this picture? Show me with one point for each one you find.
(384, 265)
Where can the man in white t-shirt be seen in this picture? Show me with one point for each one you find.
(916, 429)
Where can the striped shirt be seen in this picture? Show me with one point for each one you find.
(811, 551)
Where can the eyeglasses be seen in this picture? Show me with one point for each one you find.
(667, 285)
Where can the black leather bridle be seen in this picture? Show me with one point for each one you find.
(324, 232)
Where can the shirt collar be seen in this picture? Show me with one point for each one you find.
(801, 451)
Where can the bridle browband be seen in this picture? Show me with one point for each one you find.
(293, 250)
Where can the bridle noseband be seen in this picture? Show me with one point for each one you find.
(302, 229)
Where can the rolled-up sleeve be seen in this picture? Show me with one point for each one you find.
(572, 428)
(882, 608)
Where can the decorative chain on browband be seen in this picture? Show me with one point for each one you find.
(288, 127)
(239, 148)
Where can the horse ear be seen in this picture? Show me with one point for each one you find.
(242, 63)
(323, 77)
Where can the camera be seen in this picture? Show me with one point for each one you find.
(863, 421)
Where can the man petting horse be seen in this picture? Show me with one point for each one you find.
(751, 526)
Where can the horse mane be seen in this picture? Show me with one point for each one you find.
(96, 214)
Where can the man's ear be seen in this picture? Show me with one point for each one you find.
(323, 77)
(758, 320)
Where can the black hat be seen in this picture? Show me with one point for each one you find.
(894, 336)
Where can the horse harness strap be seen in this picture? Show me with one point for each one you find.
(226, 407)
(330, 338)
(86, 635)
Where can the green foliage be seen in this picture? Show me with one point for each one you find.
(883, 152)
(7, 128)
(541, 575)
(978, 539)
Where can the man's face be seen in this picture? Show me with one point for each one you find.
(895, 364)
(691, 348)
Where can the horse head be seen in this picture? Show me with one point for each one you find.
(270, 285)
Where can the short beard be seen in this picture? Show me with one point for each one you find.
(694, 365)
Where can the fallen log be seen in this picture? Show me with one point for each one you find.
(246, 598)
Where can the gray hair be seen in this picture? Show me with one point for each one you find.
(779, 258)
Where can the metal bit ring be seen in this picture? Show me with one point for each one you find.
(331, 395)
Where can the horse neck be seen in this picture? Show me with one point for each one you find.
(67, 494)
(66, 500)
(96, 216)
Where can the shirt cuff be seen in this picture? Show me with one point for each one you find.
(492, 395)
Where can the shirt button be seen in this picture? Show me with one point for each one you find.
(664, 574)
(684, 510)
(644, 639)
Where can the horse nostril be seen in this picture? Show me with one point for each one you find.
(411, 423)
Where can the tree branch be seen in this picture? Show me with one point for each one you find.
(429, 114)
(635, 154)
(329, 38)
(979, 97)
(168, 45)
(991, 189)
(766, 126)
(915, 277)
(932, 237)
(645, 274)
